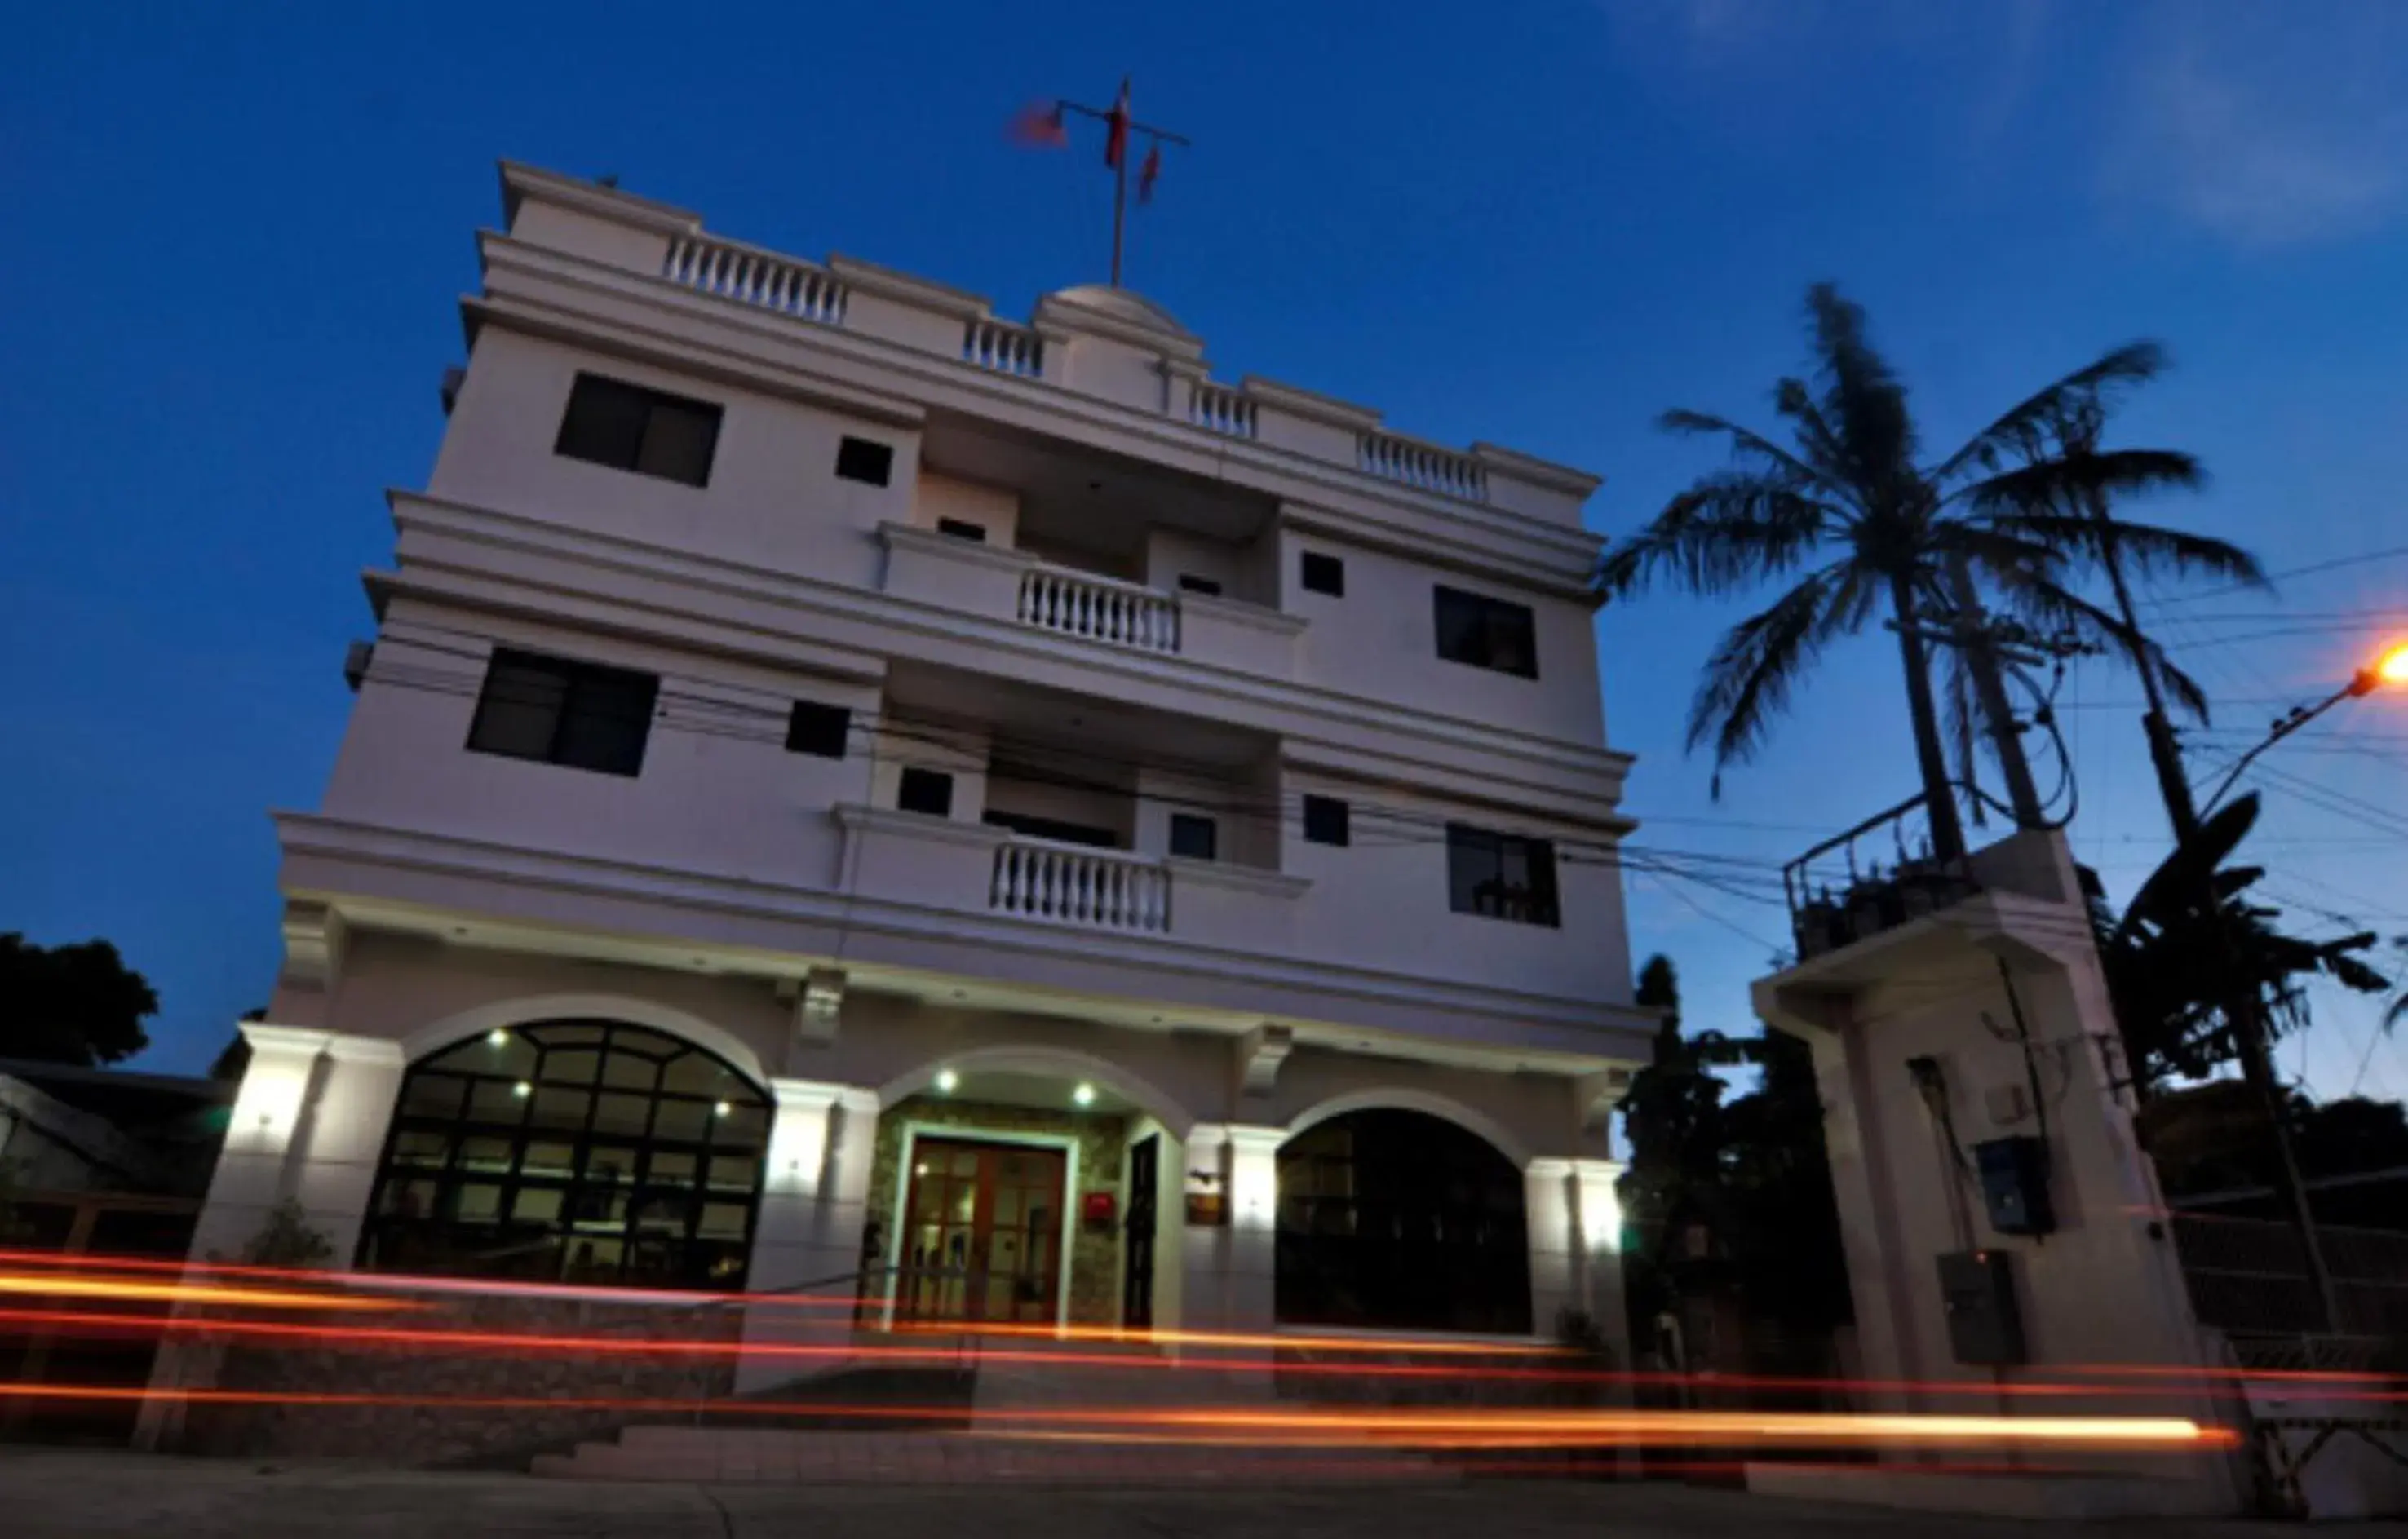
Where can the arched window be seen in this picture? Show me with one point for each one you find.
(571, 1150)
(1401, 1220)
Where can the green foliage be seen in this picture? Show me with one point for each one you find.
(287, 1239)
(1862, 528)
(2173, 958)
(1753, 1173)
(77, 1004)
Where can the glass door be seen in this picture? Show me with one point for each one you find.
(981, 1233)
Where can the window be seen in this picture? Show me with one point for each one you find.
(578, 714)
(1399, 1220)
(817, 729)
(961, 529)
(1500, 876)
(1325, 820)
(1055, 829)
(1194, 837)
(628, 427)
(1190, 583)
(1322, 574)
(1486, 632)
(859, 460)
(925, 791)
(579, 1151)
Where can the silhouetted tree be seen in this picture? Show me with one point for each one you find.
(76, 1003)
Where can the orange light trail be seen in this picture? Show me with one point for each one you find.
(53, 1284)
(1319, 1428)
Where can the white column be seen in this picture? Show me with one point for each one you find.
(342, 1137)
(253, 1169)
(1597, 1211)
(808, 1233)
(1229, 1269)
(1575, 1227)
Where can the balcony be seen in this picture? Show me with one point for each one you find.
(1013, 587)
(977, 869)
(1095, 341)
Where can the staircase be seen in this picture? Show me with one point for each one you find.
(996, 1423)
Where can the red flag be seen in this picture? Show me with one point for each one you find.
(1040, 124)
(1117, 124)
(1146, 172)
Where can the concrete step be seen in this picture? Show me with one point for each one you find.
(759, 1456)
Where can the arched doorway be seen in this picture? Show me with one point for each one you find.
(586, 1151)
(1397, 1219)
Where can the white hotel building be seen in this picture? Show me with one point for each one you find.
(853, 791)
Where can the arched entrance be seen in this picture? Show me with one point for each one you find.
(1395, 1218)
(577, 1150)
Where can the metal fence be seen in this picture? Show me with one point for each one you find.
(2248, 1279)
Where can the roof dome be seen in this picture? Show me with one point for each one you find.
(1106, 302)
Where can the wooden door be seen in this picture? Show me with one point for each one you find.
(981, 1233)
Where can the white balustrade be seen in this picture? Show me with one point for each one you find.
(1221, 409)
(755, 278)
(1006, 348)
(1096, 889)
(1422, 465)
(1079, 604)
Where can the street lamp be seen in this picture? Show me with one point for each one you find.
(2389, 669)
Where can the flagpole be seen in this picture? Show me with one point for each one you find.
(1120, 211)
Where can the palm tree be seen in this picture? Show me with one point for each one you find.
(1868, 529)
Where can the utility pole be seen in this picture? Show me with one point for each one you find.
(1974, 632)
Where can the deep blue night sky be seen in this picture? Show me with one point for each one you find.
(236, 243)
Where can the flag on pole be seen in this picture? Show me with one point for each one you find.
(1146, 172)
(1117, 127)
(1039, 123)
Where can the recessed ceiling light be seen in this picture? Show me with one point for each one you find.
(1084, 1096)
(497, 1037)
(721, 1109)
(947, 1081)
(522, 1089)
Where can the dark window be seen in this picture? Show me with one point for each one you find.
(1486, 632)
(628, 427)
(1325, 820)
(1194, 836)
(1400, 1221)
(571, 1151)
(859, 460)
(1055, 829)
(1190, 583)
(1323, 574)
(963, 530)
(1500, 876)
(579, 714)
(817, 729)
(925, 791)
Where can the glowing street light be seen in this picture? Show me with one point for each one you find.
(2389, 670)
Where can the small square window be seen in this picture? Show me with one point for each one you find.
(1501, 875)
(962, 529)
(925, 791)
(1325, 820)
(1486, 632)
(1322, 574)
(1194, 836)
(816, 728)
(1190, 583)
(859, 460)
(556, 711)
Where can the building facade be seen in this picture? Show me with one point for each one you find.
(851, 793)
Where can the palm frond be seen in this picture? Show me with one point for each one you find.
(1745, 445)
(2033, 421)
(1728, 531)
(2048, 605)
(1758, 665)
(1862, 396)
(2078, 483)
(2150, 550)
(1792, 400)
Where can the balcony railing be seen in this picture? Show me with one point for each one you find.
(1220, 409)
(1079, 604)
(1092, 889)
(755, 278)
(1004, 347)
(1431, 469)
